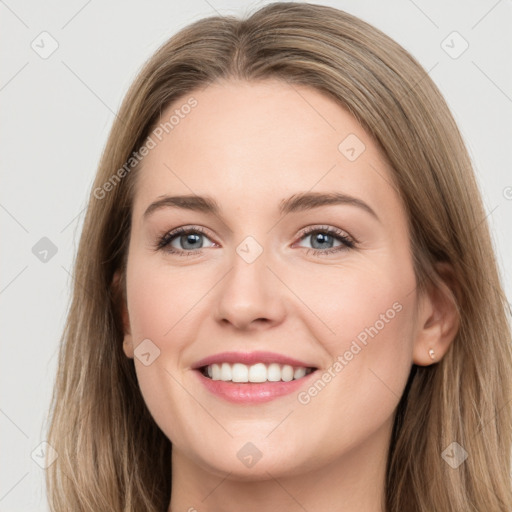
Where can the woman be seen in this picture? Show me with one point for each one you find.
(286, 276)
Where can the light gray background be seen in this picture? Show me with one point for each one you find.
(57, 113)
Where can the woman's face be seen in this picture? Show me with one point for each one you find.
(304, 264)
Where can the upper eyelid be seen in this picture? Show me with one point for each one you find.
(329, 229)
(174, 233)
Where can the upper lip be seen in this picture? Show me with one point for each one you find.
(250, 358)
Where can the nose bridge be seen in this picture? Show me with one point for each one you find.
(250, 291)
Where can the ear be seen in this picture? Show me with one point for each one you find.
(117, 285)
(438, 318)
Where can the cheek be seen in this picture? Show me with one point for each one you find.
(161, 301)
(359, 299)
(161, 309)
(364, 320)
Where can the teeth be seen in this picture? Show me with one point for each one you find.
(225, 372)
(258, 372)
(287, 373)
(299, 373)
(239, 373)
(274, 372)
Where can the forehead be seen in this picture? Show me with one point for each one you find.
(249, 142)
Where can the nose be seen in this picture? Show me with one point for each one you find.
(250, 296)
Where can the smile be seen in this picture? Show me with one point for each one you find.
(259, 372)
(248, 378)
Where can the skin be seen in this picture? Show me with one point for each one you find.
(249, 146)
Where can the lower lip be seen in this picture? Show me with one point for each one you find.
(252, 392)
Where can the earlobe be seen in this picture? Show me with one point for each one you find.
(438, 319)
(117, 283)
(128, 346)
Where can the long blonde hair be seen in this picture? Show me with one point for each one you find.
(111, 454)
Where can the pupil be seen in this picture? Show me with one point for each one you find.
(190, 239)
(321, 238)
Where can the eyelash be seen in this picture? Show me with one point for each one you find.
(163, 243)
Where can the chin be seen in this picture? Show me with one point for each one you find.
(248, 461)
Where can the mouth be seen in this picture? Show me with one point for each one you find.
(255, 373)
(252, 377)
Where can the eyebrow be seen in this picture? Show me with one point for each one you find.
(297, 202)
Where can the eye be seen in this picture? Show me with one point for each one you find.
(189, 241)
(327, 240)
(183, 241)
